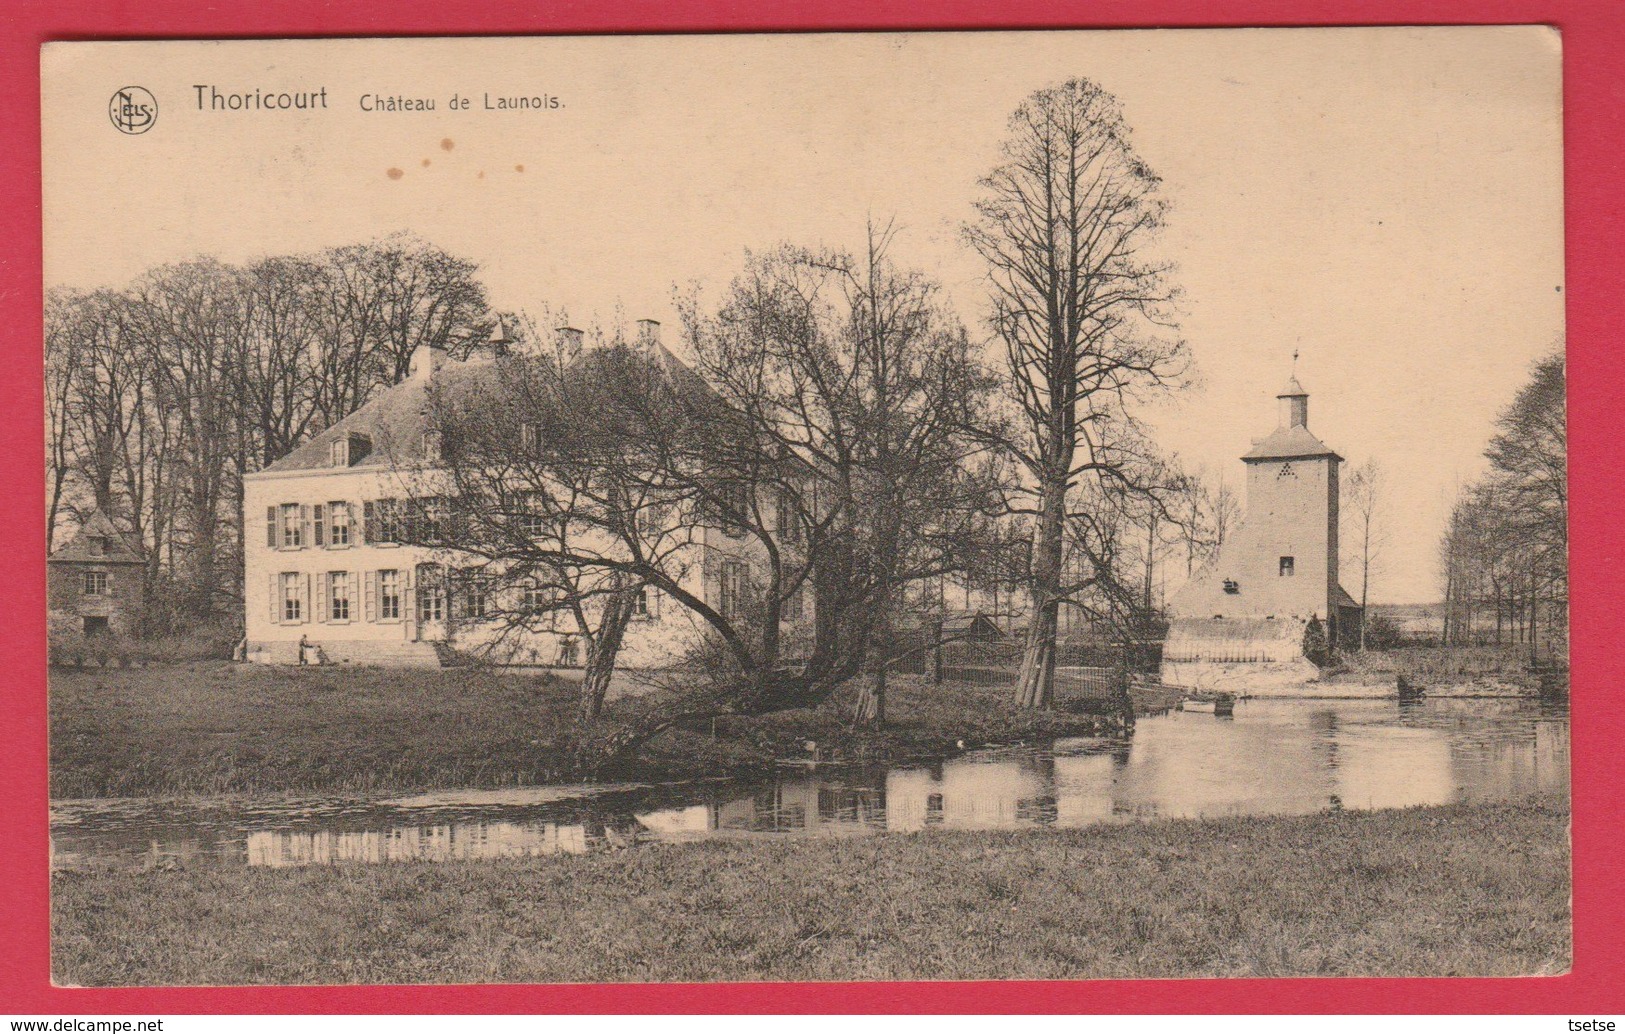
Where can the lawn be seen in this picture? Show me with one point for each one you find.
(1462, 890)
(218, 728)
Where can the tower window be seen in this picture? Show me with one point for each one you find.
(1286, 471)
(1286, 567)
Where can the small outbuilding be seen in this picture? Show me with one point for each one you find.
(93, 583)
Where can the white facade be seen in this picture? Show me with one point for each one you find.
(318, 571)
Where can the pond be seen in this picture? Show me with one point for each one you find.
(1275, 757)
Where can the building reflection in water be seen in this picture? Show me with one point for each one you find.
(1276, 757)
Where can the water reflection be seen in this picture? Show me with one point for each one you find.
(1274, 757)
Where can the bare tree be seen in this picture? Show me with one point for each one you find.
(1362, 507)
(849, 372)
(1081, 309)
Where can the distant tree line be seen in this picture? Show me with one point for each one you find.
(162, 394)
(1504, 555)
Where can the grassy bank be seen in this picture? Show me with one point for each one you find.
(1476, 890)
(216, 728)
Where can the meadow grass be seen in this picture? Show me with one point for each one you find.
(219, 728)
(1460, 890)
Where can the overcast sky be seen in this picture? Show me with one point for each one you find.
(1386, 201)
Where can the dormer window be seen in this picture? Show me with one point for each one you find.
(340, 452)
(431, 446)
(98, 545)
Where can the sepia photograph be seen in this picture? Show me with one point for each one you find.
(1040, 505)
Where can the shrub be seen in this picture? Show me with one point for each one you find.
(1381, 633)
(1315, 646)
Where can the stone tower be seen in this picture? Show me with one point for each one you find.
(1249, 605)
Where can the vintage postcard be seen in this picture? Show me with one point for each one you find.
(984, 505)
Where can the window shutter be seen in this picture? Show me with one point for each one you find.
(276, 599)
(322, 582)
(369, 520)
(270, 527)
(304, 524)
(654, 603)
(370, 597)
(354, 589)
(304, 611)
(320, 513)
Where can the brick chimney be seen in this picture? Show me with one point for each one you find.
(570, 343)
(648, 334)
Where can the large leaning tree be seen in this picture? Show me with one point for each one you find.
(1085, 316)
(851, 382)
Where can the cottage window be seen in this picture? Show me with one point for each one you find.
(293, 527)
(293, 598)
(389, 595)
(1286, 567)
(338, 519)
(95, 583)
(531, 520)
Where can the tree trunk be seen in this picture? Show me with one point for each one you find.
(1035, 682)
(602, 651)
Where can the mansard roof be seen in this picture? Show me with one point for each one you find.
(396, 421)
(1289, 443)
(82, 546)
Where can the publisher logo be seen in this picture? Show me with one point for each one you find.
(133, 110)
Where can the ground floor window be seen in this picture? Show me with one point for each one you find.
(293, 600)
(389, 595)
(431, 595)
(339, 596)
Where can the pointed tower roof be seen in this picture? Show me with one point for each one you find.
(98, 541)
(1292, 439)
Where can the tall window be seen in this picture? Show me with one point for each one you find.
(1286, 567)
(338, 517)
(431, 595)
(293, 529)
(474, 594)
(293, 597)
(731, 588)
(338, 605)
(789, 516)
(389, 595)
(735, 508)
(793, 609)
(95, 583)
(640, 603)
